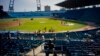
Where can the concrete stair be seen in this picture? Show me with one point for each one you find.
(35, 51)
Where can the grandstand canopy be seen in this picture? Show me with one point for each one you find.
(78, 3)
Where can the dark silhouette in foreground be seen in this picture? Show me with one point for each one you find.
(49, 48)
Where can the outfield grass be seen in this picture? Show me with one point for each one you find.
(26, 24)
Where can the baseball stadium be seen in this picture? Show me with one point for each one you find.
(72, 31)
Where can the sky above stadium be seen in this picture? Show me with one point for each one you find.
(30, 5)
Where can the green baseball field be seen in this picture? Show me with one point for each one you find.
(41, 24)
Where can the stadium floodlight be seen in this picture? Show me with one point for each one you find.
(11, 6)
(38, 5)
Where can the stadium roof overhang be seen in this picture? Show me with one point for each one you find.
(78, 3)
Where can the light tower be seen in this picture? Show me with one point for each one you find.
(11, 6)
(38, 5)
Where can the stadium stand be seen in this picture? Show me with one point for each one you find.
(86, 14)
(79, 43)
(92, 15)
(32, 14)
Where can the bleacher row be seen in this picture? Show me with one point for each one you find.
(15, 47)
(86, 14)
(32, 14)
(16, 44)
(29, 14)
(81, 43)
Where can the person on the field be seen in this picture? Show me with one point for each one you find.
(45, 29)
